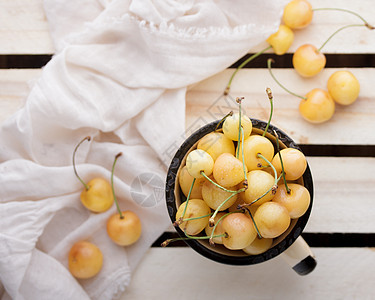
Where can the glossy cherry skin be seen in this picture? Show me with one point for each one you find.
(318, 107)
(308, 61)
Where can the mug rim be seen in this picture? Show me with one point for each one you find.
(275, 250)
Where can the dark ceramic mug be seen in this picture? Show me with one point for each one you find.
(290, 244)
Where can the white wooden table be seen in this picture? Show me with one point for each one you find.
(341, 154)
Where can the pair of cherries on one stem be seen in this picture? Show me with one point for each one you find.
(124, 228)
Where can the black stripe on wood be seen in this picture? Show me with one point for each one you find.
(324, 240)
(339, 150)
(24, 61)
(281, 61)
(333, 61)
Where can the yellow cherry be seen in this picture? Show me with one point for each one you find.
(97, 194)
(228, 170)
(258, 246)
(195, 208)
(272, 219)
(254, 145)
(297, 201)
(294, 162)
(308, 61)
(85, 260)
(318, 107)
(124, 227)
(185, 180)
(281, 40)
(98, 197)
(259, 182)
(197, 161)
(214, 196)
(344, 87)
(215, 144)
(125, 230)
(297, 14)
(240, 231)
(231, 126)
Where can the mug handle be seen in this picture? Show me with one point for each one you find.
(300, 257)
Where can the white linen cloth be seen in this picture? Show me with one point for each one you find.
(119, 74)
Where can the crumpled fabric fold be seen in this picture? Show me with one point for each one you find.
(119, 75)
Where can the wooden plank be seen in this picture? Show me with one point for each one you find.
(24, 28)
(14, 88)
(204, 104)
(184, 274)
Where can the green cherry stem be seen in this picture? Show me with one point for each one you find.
(272, 188)
(270, 97)
(239, 101)
(274, 171)
(223, 119)
(226, 91)
(212, 236)
(243, 159)
(88, 138)
(281, 162)
(189, 237)
(269, 61)
(212, 221)
(255, 225)
(218, 185)
(181, 219)
(345, 10)
(337, 31)
(113, 189)
(197, 218)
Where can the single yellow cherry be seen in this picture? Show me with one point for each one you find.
(228, 170)
(98, 197)
(240, 231)
(124, 227)
(197, 161)
(272, 219)
(297, 201)
(231, 126)
(125, 230)
(258, 246)
(215, 144)
(308, 61)
(85, 260)
(344, 87)
(294, 162)
(254, 145)
(297, 14)
(281, 40)
(185, 180)
(318, 107)
(195, 208)
(259, 182)
(214, 196)
(97, 194)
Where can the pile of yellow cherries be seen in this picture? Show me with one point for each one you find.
(241, 191)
